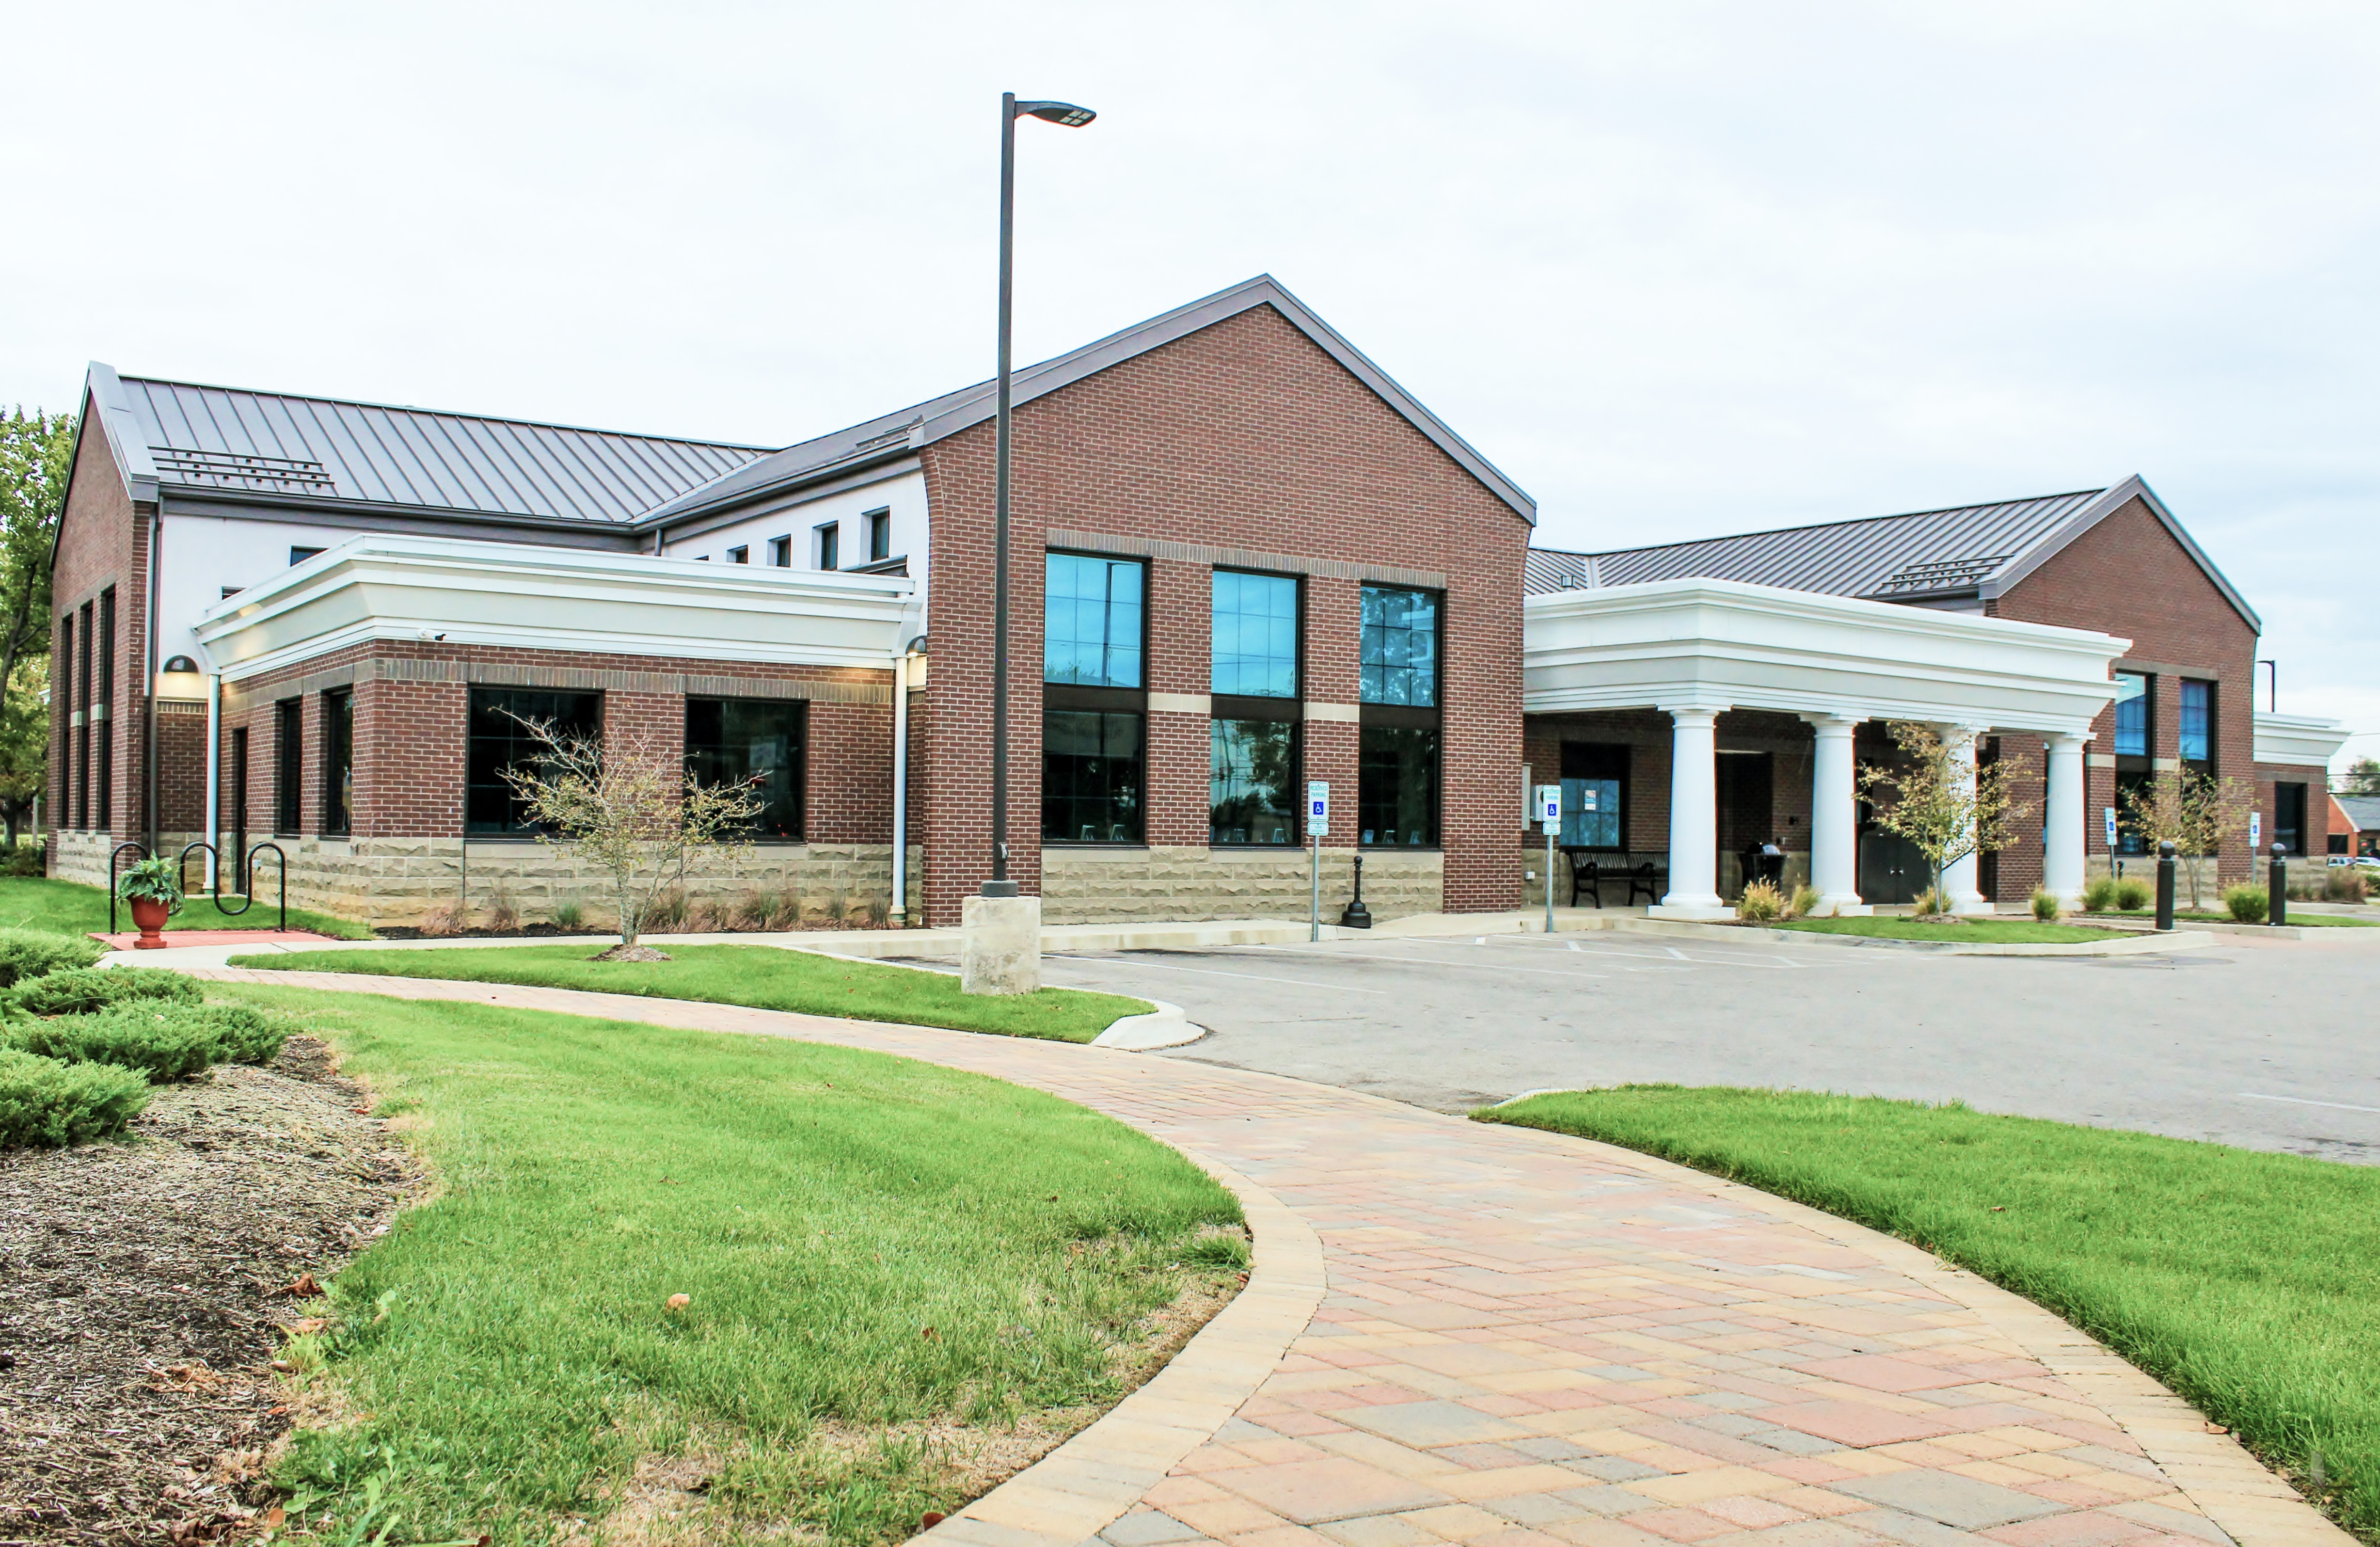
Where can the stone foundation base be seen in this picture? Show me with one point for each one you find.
(1189, 885)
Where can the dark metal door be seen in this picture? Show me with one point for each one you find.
(1890, 868)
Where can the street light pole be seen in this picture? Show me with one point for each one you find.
(1067, 116)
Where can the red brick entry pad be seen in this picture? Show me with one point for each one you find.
(1507, 1338)
(223, 937)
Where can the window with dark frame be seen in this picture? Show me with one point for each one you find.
(2133, 705)
(1599, 769)
(729, 741)
(82, 709)
(496, 739)
(1253, 742)
(1094, 717)
(830, 546)
(1252, 781)
(2289, 817)
(880, 536)
(1399, 778)
(781, 552)
(102, 713)
(2195, 743)
(238, 857)
(338, 763)
(65, 677)
(288, 765)
(739, 556)
(300, 555)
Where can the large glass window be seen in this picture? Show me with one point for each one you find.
(1091, 612)
(1399, 646)
(2131, 715)
(1091, 776)
(2135, 794)
(1255, 635)
(338, 761)
(1252, 783)
(103, 714)
(497, 740)
(1396, 787)
(288, 764)
(1594, 779)
(731, 740)
(2197, 721)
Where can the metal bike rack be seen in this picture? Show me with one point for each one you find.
(114, 854)
(246, 880)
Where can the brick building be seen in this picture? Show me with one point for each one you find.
(1244, 558)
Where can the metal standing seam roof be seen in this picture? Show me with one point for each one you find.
(262, 443)
(2361, 810)
(1909, 557)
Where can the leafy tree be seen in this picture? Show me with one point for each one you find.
(1924, 797)
(2362, 777)
(35, 455)
(2194, 810)
(624, 805)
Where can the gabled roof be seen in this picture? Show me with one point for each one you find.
(911, 428)
(230, 442)
(2361, 810)
(1964, 550)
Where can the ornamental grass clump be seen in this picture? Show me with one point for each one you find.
(83, 991)
(2100, 896)
(2046, 906)
(27, 953)
(1760, 903)
(2345, 883)
(46, 1101)
(2247, 905)
(2131, 894)
(1805, 897)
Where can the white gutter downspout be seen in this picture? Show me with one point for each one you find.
(899, 916)
(214, 773)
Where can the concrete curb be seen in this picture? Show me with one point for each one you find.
(1169, 1027)
(2124, 946)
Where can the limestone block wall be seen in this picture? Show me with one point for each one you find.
(1186, 884)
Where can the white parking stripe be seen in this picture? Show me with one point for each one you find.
(2300, 1101)
(1417, 961)
(1211, 973)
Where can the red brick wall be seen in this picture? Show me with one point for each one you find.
(2128, 577)
(103, 541)
(409, 737)
(1243, 435)
(2316, 838)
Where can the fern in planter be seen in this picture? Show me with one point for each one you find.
(157, 879)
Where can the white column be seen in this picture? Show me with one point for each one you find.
(1834, 816)
(1694, 817)
(2062, 866)
(1958, 878)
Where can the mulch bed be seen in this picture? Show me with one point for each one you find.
(145, 1288)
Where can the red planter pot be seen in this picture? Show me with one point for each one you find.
(151, 916)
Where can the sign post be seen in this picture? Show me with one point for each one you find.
(2255, 831)
(1317, 827)
(1549, 818)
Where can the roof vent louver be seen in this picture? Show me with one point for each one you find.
(237, 469)
(1938, 575)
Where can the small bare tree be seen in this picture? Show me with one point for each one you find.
(1926, 801)
(2194, 810)
(625, 805)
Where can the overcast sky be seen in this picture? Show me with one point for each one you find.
(1678, 269)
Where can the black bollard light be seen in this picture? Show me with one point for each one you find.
(2165, 884)
(1355, 916)
(2279, 911)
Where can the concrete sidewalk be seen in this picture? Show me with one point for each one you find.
(1464, 1333)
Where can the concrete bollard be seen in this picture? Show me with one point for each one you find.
(999, 944)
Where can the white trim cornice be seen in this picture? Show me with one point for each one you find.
(2297, 740)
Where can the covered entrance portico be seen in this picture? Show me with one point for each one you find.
(1797, 675)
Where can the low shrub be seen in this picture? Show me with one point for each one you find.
(2046, 906)
(2345, 883)
(2247, 905)
(84, 989)
(164, 1039)
(1760, 903)
(26, 859)
(45, 1101)
(569, 914)
(442, 918)
(2100, 896)
(32, 953)
(1805, 897)
(1930, 904)
(2133, 894)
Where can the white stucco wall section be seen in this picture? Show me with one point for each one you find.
(2297, 739)
(1721, 645)
(519, 596)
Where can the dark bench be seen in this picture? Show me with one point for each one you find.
(1590, 875)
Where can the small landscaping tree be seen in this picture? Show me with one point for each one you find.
(2194, 810)
(2362, 777)
(634, 811)
(1925, 799)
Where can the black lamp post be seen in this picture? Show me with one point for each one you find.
(1067, 116)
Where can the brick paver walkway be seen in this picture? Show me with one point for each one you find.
(1512, 1338)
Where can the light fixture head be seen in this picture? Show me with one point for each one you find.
(1065, 114)
(182, 666)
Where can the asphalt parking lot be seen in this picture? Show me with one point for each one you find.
(2274, 1044)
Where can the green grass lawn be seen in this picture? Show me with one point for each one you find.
(765, 977)
(1972, 931)
(70, 908)
(874, 1249)
(2208, 915)
(2249, 1282)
